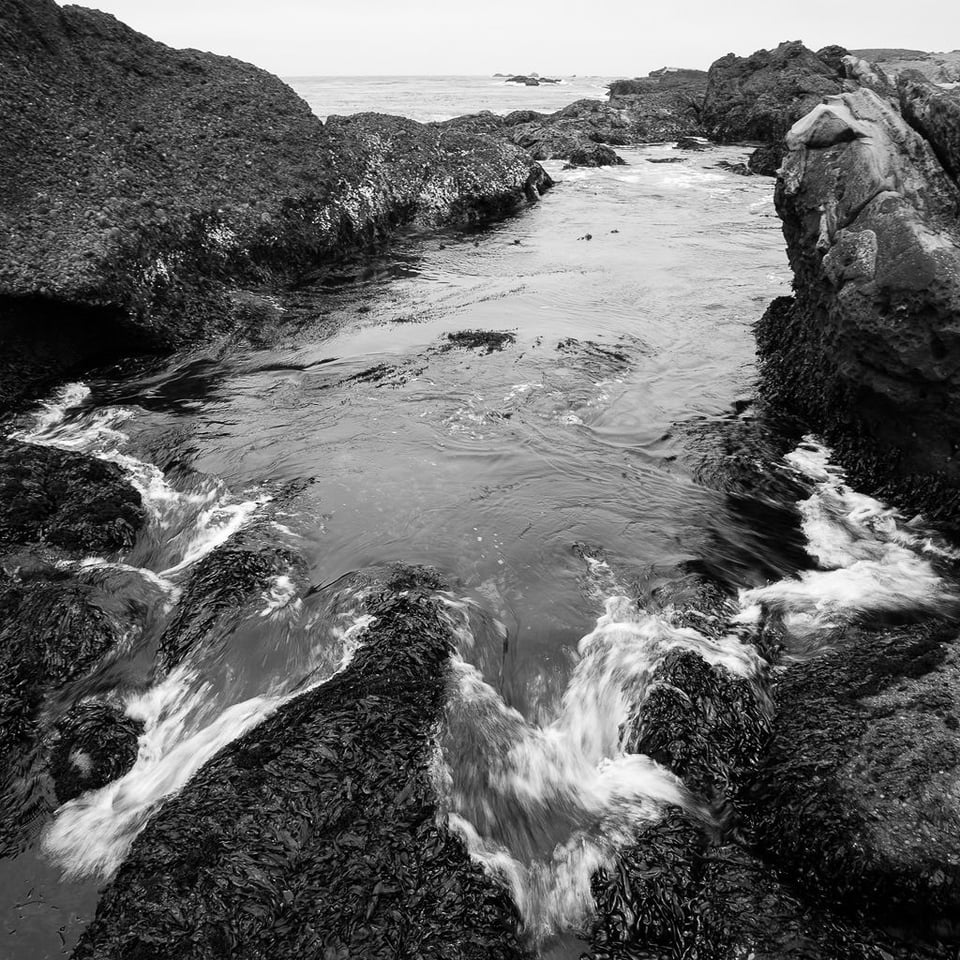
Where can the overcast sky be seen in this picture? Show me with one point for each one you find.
(318, 37)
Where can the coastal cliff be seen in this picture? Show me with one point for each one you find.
(141, 187)
(868, 348)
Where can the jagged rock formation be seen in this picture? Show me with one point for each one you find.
(759, 97)
(139, 184)
(868, 351)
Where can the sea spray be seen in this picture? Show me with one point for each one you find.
(544, 807)
(870, 560)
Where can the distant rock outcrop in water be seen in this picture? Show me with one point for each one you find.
(139, 184)
(655, 109)
(868, 350)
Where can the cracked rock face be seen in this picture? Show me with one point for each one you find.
(869, 349)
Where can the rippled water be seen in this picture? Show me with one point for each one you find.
(549, 473)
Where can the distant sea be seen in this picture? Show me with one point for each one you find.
(438, 97)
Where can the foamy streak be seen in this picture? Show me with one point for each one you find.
(871, 561)
(195, 521)
(525, 797)
(92, 834)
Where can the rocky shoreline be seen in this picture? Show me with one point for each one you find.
(185, 211)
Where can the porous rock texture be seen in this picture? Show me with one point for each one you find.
(139, 184)
(868, 351)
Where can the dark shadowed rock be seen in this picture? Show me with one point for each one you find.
(64, 499)
(94, 743)
(141, 182)
(766, 159)
(759, 97)
(868, 351)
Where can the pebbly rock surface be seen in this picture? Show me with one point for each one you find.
(315, 834)
(759, 97)
(868, 349)
(140, 184)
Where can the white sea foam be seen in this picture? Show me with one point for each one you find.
(193, 522)
(185, 725)
(870, 560)
(542, 807)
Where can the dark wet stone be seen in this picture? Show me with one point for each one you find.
(315, 834)
(487, 340)
(51, 632)
(94, 743)
(65, 499)
(766, 159)
(853, 799)
(222, 590)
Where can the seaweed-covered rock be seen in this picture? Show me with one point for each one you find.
(868, 351)
(315, 834)
(51, 632)
(222, 589)
(855, 798)
(65, 499)
(95, 743)
(759, 97)
(138, 183)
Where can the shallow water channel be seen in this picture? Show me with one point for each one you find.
(543, 472)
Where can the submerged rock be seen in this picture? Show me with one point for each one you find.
(139, 184)
(315, 834)
(867, 351)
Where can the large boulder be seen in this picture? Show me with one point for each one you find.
(869, 349)
(759, 97)
(139, 183)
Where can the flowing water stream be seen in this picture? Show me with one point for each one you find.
(547, 472)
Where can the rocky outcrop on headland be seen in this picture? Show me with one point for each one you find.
(759, 97)
(868, 349)
(936, 67)
(139, 185)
